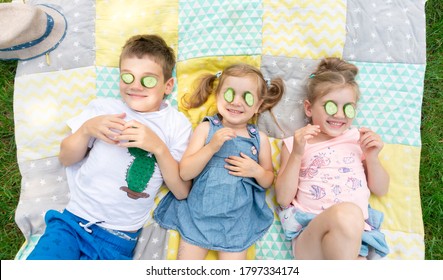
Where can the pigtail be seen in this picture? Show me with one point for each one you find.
(204, 88)
(274, 94)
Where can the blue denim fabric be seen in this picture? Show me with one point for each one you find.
(66, 239)
(222, 212)
(374, 238)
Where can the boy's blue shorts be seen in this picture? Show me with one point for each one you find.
(69, 237)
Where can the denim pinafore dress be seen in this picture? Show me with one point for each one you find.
(222, 212)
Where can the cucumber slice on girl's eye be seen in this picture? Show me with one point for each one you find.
(149, 81)
(127, 78)
(229, 95)
(331, 108)
(349, 110)
(249, 98)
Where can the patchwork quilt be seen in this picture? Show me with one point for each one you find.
(284, 38)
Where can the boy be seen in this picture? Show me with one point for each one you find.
(117, 157)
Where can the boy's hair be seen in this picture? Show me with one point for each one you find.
(271, 94)
(152, 46)
(332, 73)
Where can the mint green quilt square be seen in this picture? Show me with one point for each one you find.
(273, 245)
(391, 100)
(217, 28)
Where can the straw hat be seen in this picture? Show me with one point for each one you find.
(28, 31)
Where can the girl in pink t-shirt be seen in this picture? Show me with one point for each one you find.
(328, 171)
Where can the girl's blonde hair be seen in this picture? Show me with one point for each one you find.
(332, 73)
(270, 92)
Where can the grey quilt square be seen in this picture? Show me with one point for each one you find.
(77, 48)
(44, 186)
(289, 112)
(152, 243)
(386, 31)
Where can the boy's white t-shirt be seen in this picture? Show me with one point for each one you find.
(95, 181)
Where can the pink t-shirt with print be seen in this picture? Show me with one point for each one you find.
(332, 172)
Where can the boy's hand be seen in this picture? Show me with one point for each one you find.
(370, 142)
(220, 137)
(302, 135)
(242, 166)
(105, 127)
(140, 136)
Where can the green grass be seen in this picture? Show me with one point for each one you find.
(10, 236)
(431, 169)
(431, 164)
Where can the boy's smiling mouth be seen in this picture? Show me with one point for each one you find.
(136, 95)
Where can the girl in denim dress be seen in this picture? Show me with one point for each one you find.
(230, 164)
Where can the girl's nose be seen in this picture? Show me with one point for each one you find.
(238, 99)
(340, 113)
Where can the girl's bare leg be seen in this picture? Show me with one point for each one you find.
(232, 255)
(332, 235)
(188, 251)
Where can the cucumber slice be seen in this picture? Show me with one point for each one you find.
(127, 78)
(331, 108)
(149, 81)
(349, 110)
(249, 98)
(229, 95)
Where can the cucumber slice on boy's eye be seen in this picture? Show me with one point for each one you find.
(127, 78)
(249, 98)
(349, 110)
(229, 95)
(149, 81)
(331, 108)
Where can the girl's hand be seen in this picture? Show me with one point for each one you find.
(242, 166)
(220, 137)
(106, 127)
(302, 135)
(377, 176)
(370, 142)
